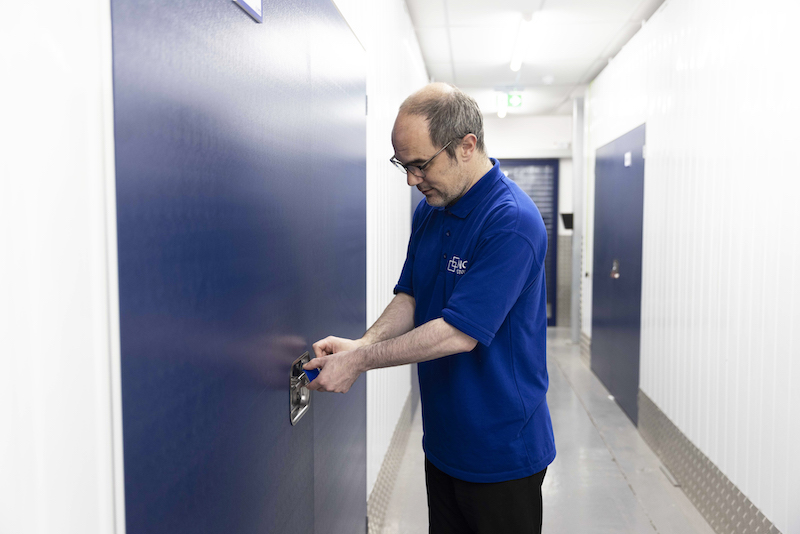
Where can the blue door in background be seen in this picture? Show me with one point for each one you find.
(240, 166)
(617, 283)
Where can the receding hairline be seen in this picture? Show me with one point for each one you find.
(449, 112)
(431, 92)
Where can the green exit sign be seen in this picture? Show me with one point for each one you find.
(514, 100)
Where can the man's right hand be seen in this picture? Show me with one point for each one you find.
(332, 345)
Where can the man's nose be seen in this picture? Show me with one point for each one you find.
(412, 179)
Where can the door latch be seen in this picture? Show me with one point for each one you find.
(299, 394)
(615, 270)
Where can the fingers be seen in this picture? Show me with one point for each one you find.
(316, 363)
(324, 347)
(332, 345)
(318, 385)
(336, 375)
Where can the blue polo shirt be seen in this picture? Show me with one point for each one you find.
(479, 264)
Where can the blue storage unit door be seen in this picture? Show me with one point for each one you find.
(617, 283)
(240, 154)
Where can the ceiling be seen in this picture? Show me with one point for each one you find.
(470, 43)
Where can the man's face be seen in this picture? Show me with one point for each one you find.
(444, 182)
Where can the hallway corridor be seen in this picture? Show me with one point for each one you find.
(605, 479)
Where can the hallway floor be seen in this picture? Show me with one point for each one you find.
(604, 480)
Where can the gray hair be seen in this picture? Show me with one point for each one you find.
(451, 115)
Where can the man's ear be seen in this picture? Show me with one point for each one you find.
(468, 147)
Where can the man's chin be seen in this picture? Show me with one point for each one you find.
(434, 200)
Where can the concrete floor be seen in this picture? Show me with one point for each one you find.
(604, 480)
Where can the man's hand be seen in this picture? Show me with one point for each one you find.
(338, 371)
(332, 345)
(336, 364)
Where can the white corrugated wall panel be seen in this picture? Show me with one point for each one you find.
(60, 409)
(395, 69)
(714, 82)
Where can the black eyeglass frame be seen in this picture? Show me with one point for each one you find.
(421, 168)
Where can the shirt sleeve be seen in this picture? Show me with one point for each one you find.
(504, 265)
(404, 285)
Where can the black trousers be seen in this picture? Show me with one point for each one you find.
(459, 507)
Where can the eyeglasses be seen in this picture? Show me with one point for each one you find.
(417, 170)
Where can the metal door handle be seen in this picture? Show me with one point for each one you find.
(615, 270)
(299, 394)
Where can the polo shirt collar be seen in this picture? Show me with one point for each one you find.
(476, 193)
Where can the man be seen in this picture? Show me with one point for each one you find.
(470, 308)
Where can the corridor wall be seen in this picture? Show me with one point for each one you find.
(395, 69)
(526, 137)
(60, 464)
(721, 260)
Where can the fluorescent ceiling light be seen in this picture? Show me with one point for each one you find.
(522, 40)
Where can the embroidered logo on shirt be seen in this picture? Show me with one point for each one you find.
(457, 265)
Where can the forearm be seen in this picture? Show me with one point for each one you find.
(341, 364)
(396, 320)
(429, 341)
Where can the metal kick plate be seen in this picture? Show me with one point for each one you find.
(299, 395)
